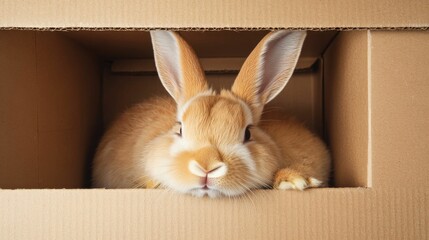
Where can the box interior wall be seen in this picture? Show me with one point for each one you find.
(60, 90)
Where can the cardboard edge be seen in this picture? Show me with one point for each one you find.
(67, 29)
(369, 111)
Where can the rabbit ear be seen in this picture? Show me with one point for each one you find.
(268, 68)
(178, 66)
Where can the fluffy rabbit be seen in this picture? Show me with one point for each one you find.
(205, 143)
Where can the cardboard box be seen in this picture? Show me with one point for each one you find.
(365, 92)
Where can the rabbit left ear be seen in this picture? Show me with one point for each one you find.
(178, 66)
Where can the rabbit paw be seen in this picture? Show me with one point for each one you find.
(289, 179)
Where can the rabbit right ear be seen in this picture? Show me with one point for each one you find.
(178, 66)
(268, 68)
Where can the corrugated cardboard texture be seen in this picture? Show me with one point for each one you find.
(302, 97)
(50, 110)
(214, 14)
(346, 107)
(400, 109)
(156, 214)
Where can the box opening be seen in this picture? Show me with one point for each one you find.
(60, 91)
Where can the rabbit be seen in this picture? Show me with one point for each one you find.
(204, 143)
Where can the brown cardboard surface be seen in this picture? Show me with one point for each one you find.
(302, 99)
(69, 101)
(400, 109)
(214, 14)
(50, 111)
(18, 110)
(267, 214)
(346, 107)
(119, 45)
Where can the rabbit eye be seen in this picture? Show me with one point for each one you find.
(247, 134)
(179, 132)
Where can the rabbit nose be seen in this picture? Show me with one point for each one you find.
(216, 170)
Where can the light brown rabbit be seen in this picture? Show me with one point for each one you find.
(206, 143)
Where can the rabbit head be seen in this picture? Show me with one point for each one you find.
(216, 147)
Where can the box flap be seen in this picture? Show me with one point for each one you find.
(194, 14)
(265, 214)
